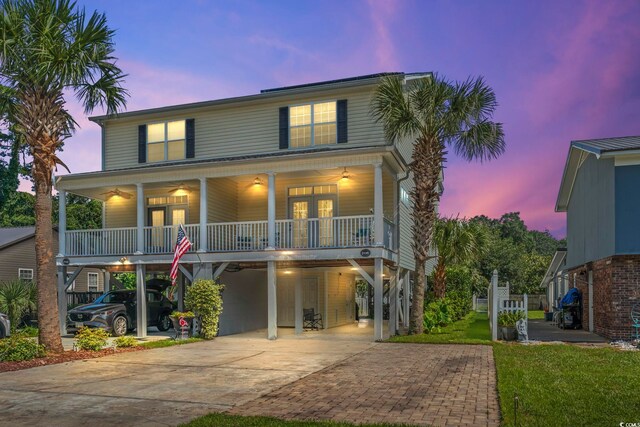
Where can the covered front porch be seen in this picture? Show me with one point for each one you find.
(309, 209)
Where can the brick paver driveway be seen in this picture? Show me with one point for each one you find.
(398, 383)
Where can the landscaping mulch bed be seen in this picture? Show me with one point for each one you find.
(67, 356)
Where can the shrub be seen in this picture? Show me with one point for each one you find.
(16, 298)
(17, 348)
(125, 341)
(183, 314)
(507, 318)
(29, 331)
(204, 297)
(436, 315)
(92, 339)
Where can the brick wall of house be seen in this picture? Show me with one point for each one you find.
(616, 289)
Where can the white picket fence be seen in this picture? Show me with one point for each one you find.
(498, 301)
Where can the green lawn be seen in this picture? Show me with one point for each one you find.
(472, 329)
(224, 420)
(566, 385)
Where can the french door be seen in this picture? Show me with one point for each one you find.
(312, 220)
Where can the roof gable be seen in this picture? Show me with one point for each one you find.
(580, 150)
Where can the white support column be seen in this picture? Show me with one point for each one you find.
(141, 302)
(298, 303)
(62, 223)
(406, 287)
(393, 301)
(140, 218)
(62, 299)
(106, 281)
(203, 270)
(494, 306)
(378, 333)
(271, 211)
(590, 279)
(378, 216)
(203, 246)
(272, 302)
(325, 318)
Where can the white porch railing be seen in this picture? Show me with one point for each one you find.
(110, 241)
(312, 233)
(162, 240)
(237, 236)
(335, 232)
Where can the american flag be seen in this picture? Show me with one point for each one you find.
(182, 246)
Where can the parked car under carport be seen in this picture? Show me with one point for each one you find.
(116, 311)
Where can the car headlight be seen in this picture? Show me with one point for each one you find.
(106, 313)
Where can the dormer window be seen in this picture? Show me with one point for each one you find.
(166, 141)
(312, 124)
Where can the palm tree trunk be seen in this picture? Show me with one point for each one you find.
(428, 154)
(440, 280)
(45, 262)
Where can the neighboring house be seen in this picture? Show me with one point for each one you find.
(599, 193)
(287, 197)
(18, 260)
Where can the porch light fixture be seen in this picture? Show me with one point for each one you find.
(257, 181)
(124, 259)
(345, 174)
(287, 272)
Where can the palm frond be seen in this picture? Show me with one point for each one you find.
(391, 107)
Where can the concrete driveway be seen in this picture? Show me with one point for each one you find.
(166, 386)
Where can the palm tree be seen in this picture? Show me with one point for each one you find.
(49, 49)
(435, 114)
(455, 241)
(14, 300)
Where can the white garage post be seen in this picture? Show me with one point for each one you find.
(298, 304)
(62, 299)
(406, 287)
(377, 300)
(393, 301)
(141, 302)
(272, 307)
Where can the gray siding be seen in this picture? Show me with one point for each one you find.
(627, 209)
(247, 128)
(591, 213)
(405, 251)
(23, 255)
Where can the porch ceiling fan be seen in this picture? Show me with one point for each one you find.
(117, 192)
(345, 174)
(181, 187)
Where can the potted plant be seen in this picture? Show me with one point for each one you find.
(182, 323)
(507, 322)
(548, 315)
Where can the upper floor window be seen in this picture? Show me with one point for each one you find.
(166, 141)
(312, 124)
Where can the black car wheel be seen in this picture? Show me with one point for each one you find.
(164, 322)
(119, 326)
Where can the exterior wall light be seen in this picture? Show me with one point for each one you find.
(257, 181)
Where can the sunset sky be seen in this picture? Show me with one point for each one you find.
(562, 70)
